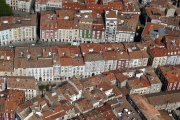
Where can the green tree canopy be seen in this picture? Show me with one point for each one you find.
(5, 9)
(42, 87)
(47, 87)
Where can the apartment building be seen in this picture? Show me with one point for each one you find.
(122, 56)
(169, 77)
(85, 25)
(172, 22)
(118, 5)
(130, 7)
(69, 109)
(145, 110)
(65, 25)
(34, 61)
(154, 14)
(94, 64)
(17, 29)
(20, 5)
(43, 5)
(122, 111)
(168, 100)
(155, 82)
(7, 62)
(138, 58)
(88, 26)
(166, 53)
(24, 5)
(145, 1)
(111, 25)
(154, 29)
(65, 62)
(98, 30)
(110, 60)
(165, 5)
(40, 5)
(126, 27)
(83, 105)
(10, 99)
(172, 32)
(141, 80)
(141, 86)
(93, 59)
(56, 64)
(78, 65)
(157, 57)
(26, 84)
(48, 26)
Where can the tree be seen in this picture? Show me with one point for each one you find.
(42, 87)
(5, 9)
(63, 83)
(53, 85)
(47, 87)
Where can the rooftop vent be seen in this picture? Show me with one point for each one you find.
(5, 21)
(66, 18)
(21, 54)
(86, 16)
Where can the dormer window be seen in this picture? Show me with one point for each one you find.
(63, 53)
(50, 54)
(101, 89)
(21, 54)
(28, 56)
(8, 57)
(91, 50)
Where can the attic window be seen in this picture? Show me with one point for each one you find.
(50, 54)
(21, 54)
(91, 50)
(86, 16)
(28, 56)
(63, 53)
(8, 57)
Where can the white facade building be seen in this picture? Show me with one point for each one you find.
(111, 25)
(40, 74)
(47, 4)
(21, 5)
(24, 5)
(20, 29)
(94, 64)
(27, 84)
(39, 7)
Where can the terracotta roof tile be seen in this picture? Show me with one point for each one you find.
(93, 57)
(147, 109)
(21, 82)
(85, 47)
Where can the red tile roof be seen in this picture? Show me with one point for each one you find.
(151, 26)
